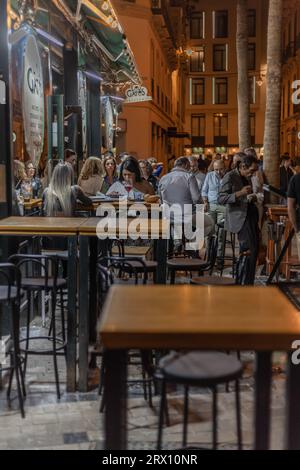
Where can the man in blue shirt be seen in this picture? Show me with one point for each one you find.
(210, 196)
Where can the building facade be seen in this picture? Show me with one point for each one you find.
(211, 97)
(155, 128)
(290, 110)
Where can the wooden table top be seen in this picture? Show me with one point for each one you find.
(194, 317)
(118, 204)
(152, 228)
(40, 225)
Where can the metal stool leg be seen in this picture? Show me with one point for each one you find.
(161, 415)
(238, 415)
(215, 419)
(186, 417)
(54, 345)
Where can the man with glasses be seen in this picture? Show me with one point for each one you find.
(236, 193)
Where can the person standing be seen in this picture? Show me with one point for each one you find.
(286, 174)
(210, 196)
(195, 169)
(236, 193)
(294, 207)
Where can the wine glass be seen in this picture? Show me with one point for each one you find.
(128, 186)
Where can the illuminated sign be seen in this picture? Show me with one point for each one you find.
(137, 94)
(33, 100)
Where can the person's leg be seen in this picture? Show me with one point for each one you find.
(220, 212)
(249, 241)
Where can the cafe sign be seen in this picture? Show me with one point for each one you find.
(137, 94)
(33, 100)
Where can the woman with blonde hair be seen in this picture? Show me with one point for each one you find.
(91, 177)
(60, 198)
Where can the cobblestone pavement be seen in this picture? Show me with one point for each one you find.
(74, 422)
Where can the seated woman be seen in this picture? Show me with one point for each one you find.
(19, 174)
(147, 173)
(35, 182)
(91, 177)
(60, 198)
(131, 174)
(110, 173)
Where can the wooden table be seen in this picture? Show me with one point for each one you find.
(191, 317)
(89, 233)
(55, 227)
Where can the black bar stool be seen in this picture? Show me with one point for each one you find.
(44, 278)
(192, 265)
(10, 298)
(199, 369)
(110, 271)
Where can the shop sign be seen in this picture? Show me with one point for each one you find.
(2, 92)
(137, 94)
(33, 100)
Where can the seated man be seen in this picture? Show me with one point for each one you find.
(180, 188)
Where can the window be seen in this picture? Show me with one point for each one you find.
(220, 86)
(198, 125)
(197, 91)
(251, 56)
(252, 127)
(220, 24)
(198, 130)
(197, 26)
(220, 57)
(197, 60)
(220, 130)
(252, 90)
(251, 23)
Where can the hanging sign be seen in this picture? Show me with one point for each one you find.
(33, 100)
(137, 94)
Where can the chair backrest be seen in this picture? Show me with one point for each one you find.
(132, 265)
(44, 266)
(10, 277)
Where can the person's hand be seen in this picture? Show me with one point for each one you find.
(252, 198)
(245, 191)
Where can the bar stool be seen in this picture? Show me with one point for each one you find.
(199, 369)
(134, 265)
(106, 268)
(10, 297)
(232, 242)
(194, 265)
(44, 279)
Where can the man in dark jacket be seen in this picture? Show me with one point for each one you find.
(286, 174)
(236, 193)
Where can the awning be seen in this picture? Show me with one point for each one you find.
(98, 25)
(99, 20)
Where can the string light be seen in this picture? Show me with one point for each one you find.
(105, 6)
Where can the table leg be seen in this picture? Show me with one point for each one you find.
(72, 315)
(263, 376)
(83, 313)
(116, 400)
(93, 289)
(161, 256)
(293, 405)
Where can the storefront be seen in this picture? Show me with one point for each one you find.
(60, 84)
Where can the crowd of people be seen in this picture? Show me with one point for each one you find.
(231, 192)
